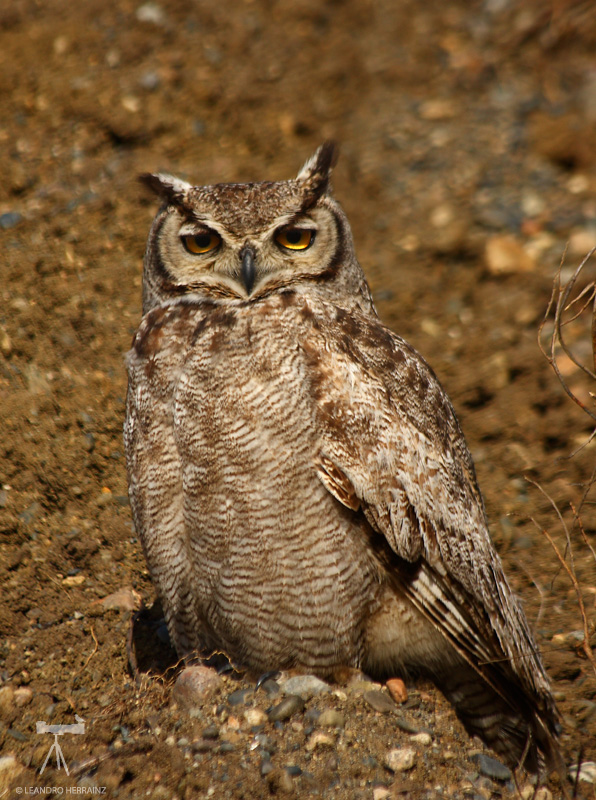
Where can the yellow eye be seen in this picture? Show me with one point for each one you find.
(200, 243)
(295, 238)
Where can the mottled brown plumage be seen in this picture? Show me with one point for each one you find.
(298, 477)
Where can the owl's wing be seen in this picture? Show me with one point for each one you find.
(155, 363)
(393, 449)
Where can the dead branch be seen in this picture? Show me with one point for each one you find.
(570, 570)
(561, 303)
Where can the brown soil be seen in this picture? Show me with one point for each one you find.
(467, 134)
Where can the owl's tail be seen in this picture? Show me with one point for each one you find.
(519, 732)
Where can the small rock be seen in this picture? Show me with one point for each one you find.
(124, 600)
(10, 769)
(73, 580)
(530, 792)
(381, 792)
(9, 219)
(30, 513)
(211, 732)
(6, 700)
(422, 738)
(587, 772)
(318, 739)
(331, 718)
(18, 735)
(491, 767)
(397, 689)
(380, 702)
(582, 241)
(149, 81)
(266, 743)
(195, 685)
(305, 686)
(203, 745)
(284, 710)
(240, 697)
(255, 717)
(5, 344)
(438, 108)
(266, 766)
(505, 255)
(23, 696)
(400, 759)
(280, 782)
(151, 12)
(331, 764)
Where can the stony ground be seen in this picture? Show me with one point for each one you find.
(468, 166)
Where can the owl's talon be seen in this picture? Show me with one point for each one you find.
(267, 676)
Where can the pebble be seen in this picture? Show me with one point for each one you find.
(30, 513)
(280, 782)
(305, 686)
(195, 685)
(73, 580)
(286, 708)
(255, 717)
(530, 792)
(22, 696)
(240, 697)
(381, 792)
(9, 219)
(587, 772)
(151, 12)
(505, 255)
(491, 767)
(331, 718)
(9, 770)
(266, 765)
(124, 600)
(5, 344)
(400, 759)
(211, 732)
(319, 740)
(422, 738)
(203, 745)
(265, 742)
(380, 702)
(6, 700)
(397, 689)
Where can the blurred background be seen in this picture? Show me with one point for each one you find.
(468, 171)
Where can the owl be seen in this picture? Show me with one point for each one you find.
(298, 478)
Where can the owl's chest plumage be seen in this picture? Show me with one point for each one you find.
(274, 561)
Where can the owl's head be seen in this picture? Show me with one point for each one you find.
(240, 242)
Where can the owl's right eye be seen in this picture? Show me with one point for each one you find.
(200, 243)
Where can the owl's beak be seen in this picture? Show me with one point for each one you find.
(247, 254)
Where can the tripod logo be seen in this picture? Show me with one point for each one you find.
(59, 730)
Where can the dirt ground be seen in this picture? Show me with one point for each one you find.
(468, 165)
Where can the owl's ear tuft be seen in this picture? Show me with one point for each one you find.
(167, 187)
(315, 174)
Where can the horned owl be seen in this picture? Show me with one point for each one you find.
(298, 478)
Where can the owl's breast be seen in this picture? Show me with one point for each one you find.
(277, 561)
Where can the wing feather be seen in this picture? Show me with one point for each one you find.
(392, 443)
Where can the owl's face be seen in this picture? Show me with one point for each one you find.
(244, 241)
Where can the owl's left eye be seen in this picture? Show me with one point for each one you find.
(200, 243)
(295, 238)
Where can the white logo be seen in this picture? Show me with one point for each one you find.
(59, 730)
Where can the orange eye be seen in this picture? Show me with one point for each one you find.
(295, 238)
(201, 243)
